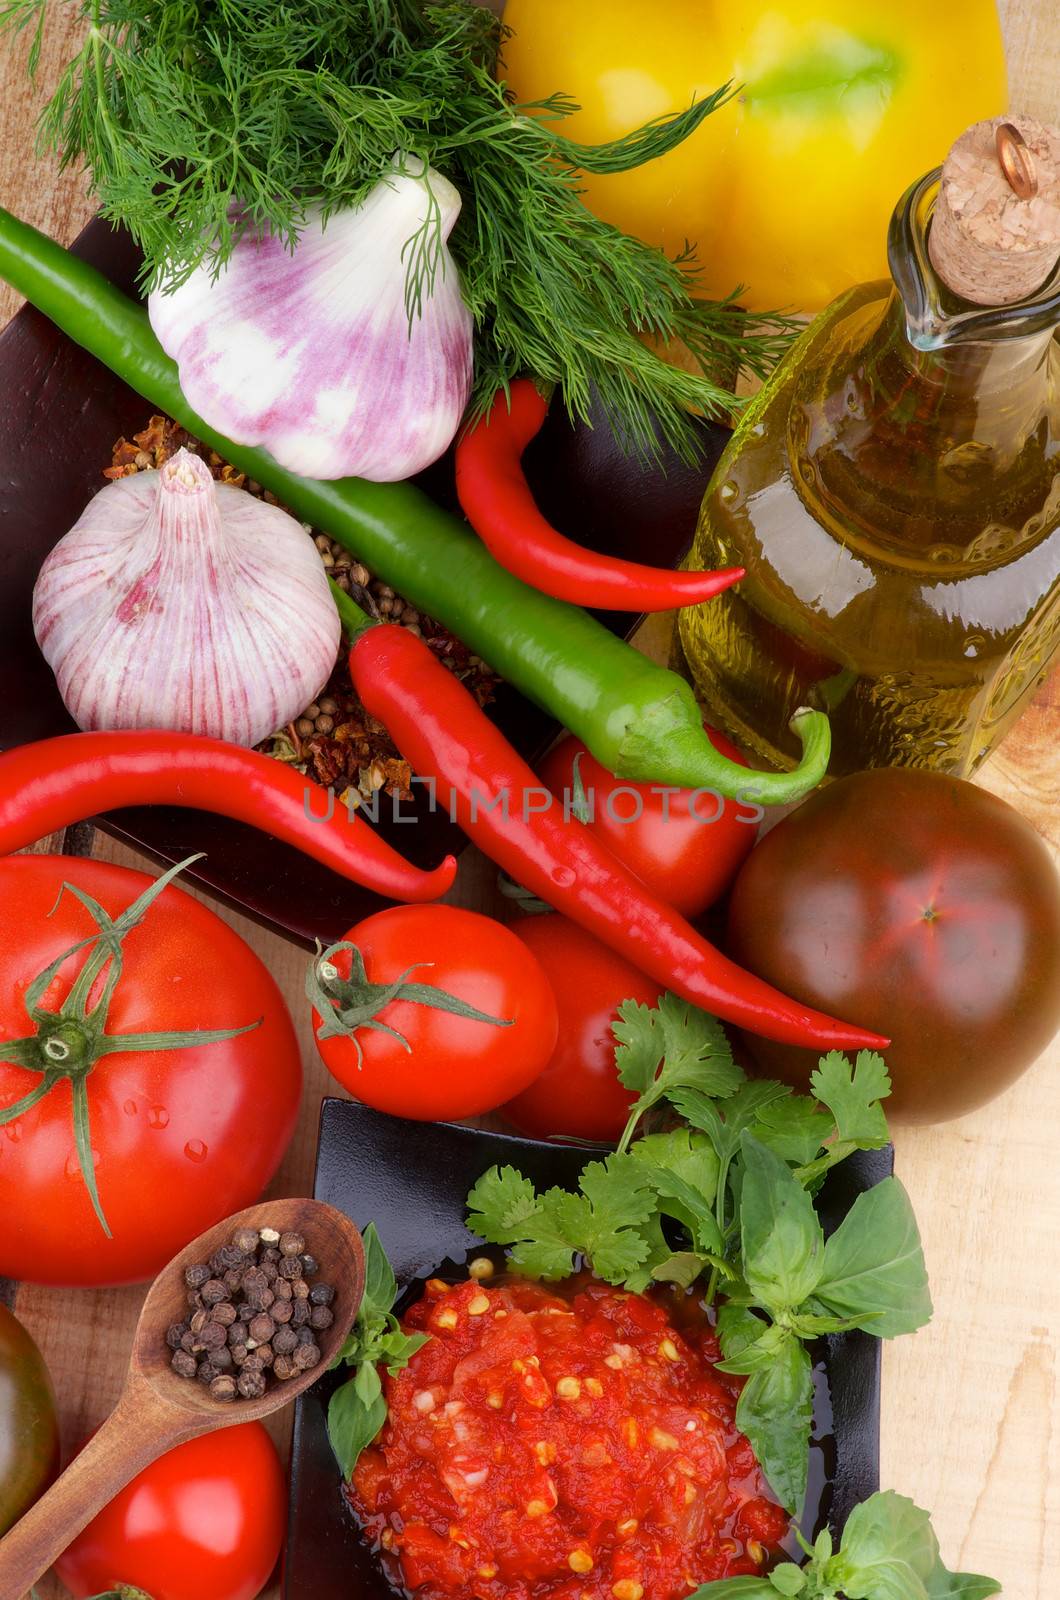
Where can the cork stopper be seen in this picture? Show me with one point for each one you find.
(995, 232)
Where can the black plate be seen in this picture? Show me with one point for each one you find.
(60, 413)
(411, 1179)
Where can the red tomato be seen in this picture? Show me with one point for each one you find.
(685, 844)
(206, 1521)
(179, 1137)
(453, 1066)
(578, 1094)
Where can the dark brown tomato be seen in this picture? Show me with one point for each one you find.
(29, 1434)
(925, 908)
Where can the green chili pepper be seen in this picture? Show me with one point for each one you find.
(639, 720)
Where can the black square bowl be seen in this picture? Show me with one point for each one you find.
(412, 1179)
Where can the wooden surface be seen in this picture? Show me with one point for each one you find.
(971, 1417)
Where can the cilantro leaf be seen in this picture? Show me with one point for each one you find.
(781, 1238)
(852, 1094)
(682, 1169)
(502, 1205)
(669, 1046)
(873, 1271)
(723, 1125)
(890, 1552)
(775, 1410)
(794, 1127)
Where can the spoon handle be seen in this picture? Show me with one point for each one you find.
(139, 1429)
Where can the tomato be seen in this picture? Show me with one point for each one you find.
(925, 907)
(206, 1521)
(579, 1094)
(685, 844)
(179, 1137)
(442, 1065)
(29, 1432)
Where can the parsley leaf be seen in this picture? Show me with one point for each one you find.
(668, 1046)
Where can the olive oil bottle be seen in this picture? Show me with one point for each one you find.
(894, 490)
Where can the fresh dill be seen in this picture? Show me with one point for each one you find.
(200, 119)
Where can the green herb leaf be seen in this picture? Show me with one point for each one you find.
(873, 1271)
(735, 1589)
(852, 1094)
(724, 1124)
(502, 1205)
(738, 1328)
(671, 1045)
(775, 1410)
(782, 1240)
(356, 1412)
(890, 1552)
(380, 1285)
(793, 1126)
(788, 1579)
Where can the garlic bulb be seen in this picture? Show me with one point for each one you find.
(177, 602)
(311, 353)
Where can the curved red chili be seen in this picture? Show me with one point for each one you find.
(489, 789)
(55, 782)
(497, 502)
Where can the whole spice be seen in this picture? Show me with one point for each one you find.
(230, 1340)
(523, 827)
(323, 355)
(639, 720)
(175, 602)
(46, 786)
(499, 505)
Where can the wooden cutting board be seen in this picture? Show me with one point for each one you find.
(971, 1417)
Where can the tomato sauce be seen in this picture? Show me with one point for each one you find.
(542, 1447)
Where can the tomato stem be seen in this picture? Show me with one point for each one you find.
(346, 1004)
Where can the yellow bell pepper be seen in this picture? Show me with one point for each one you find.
(788, 188)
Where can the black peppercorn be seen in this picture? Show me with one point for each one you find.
(299, 1313)
(206, 1372)
(196, 1276)
(262, 1328)
(239, 1353)
(251, 1385)
(212, 1336)
(291, 1244)
(229, 1256)
(222, 1359)
(282, 1289)
(233, 1279)
(271, 1254)
(310, 1264)
(197, 1321)
(321, 1294)
(321, 1317)
(246, 1240)
(280, 1311)
(184, 1364)
(264, 1353)
(223, 1388)
(238, 1333)
(291, 1267)
(175, 1334)
(194, 1300)
(253, 1362)
(225, 1313)
(284, 1340)
(306, 1356)
(213, 1292)
(271, 1271)
(305, 1336)
(189, 1341)
(283, 1368)
(300, 1289)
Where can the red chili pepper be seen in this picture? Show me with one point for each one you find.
(48, 785)
(497, 502)
(488, 788)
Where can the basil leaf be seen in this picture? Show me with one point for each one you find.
(890, 1552)
(356, 1412)
(788, 1579)
(873, 1271)
(380, 1285)
(782, 1239)
(735, 1589)
(774, 1410)
(737, 1328)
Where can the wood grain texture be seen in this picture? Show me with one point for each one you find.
(971, 1418)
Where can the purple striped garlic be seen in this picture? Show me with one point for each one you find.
(177, 602)
(313, 354)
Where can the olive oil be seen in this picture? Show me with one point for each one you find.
(894, 494)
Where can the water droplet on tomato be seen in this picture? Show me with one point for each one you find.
(14, 1131)
(195, 1150)
(564, 876)
(157, 1117)
(130, 1108)
(73, 1165)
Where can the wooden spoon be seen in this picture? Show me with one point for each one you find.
(157, 1409)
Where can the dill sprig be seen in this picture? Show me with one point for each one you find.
(201, 119)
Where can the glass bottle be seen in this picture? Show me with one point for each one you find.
(894, 494)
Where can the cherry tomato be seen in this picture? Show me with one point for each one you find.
(579, 1094)
(29, 1432)
(444, 1065)
(685, 844)
(179, 1138)
(206, 1521)
(924, 907)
